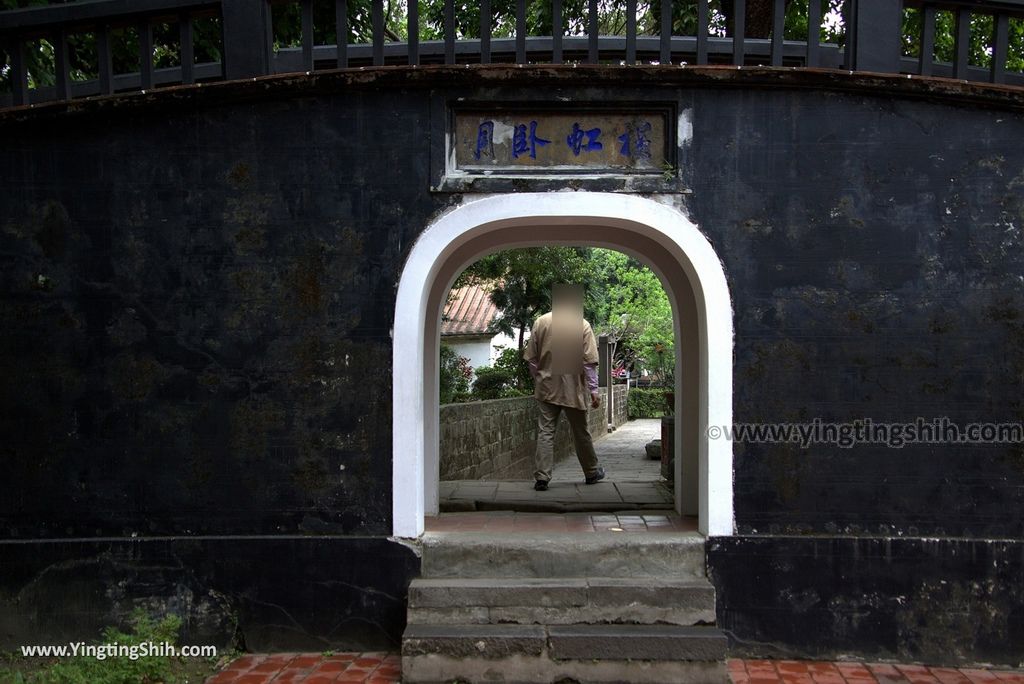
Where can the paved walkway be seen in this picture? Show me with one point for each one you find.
(621, 453)
(379, 668)
(633, 481)
(632, 523)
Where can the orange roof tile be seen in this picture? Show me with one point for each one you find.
(469, 311)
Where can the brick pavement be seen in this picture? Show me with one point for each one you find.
(381, 668)
(815, 672)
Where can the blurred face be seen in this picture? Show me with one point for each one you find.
(567, 329)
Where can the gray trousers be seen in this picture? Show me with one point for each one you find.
(547, 421)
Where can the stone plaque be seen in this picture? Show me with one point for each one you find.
(564, 141)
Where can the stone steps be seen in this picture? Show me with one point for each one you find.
(558, 601)
(488, 554)
(551, 607)
(552, 653)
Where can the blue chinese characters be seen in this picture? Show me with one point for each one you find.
(527, 139)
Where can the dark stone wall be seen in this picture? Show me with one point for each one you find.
(196, 313)
(910, 599)
(874, 255)
(195, 322)
(259, 593)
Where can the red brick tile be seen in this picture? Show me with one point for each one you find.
(765, 680)
(290, 677)
(979, 675)
(739, 678)
(223, 677)
(949, 675)
(757, 662)
(354, 672)
(797, 678)
(917, 674)
(274, 662)
(245, 662)
(761, 668)
(255, 678)
(855, 672)
(1008, 676)
(306, 660)
(335, 663)
(736, 665)
(883, 668)
(886, 674)
(791, 667)
(912, 669)
(320, 679)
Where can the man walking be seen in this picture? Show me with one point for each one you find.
(562, 354)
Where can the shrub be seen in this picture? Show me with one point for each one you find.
(454, 376)
(511, 361)
(646, 402)
(116, 669)
(493, 383)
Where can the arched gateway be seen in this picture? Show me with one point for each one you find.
(659, 234)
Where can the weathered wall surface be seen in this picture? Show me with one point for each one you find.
(195, 307)
(620, 410)
(936, 600)
(497, 439)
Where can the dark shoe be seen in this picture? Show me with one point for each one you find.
(541, 485)
(596, 477)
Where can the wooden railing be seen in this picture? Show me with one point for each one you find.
(864, 35)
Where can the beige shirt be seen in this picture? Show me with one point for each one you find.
(564, 390)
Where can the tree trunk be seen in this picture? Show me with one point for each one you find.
(758, 17)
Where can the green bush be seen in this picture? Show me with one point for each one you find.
(647, 402)
(454, 376)
(493, 383)
(511, 361)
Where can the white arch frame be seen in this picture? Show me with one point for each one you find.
(630, 217)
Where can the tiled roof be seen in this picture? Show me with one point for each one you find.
(469, 311)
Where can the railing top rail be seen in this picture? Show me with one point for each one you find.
(240, 39)
(93, 10)
(979, 5)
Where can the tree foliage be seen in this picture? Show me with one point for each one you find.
(634, 308)
(520, 281)
(981, 44)
(83, 60)
(623, 298)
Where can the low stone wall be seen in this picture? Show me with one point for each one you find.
(621, 414)
(496, 439)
